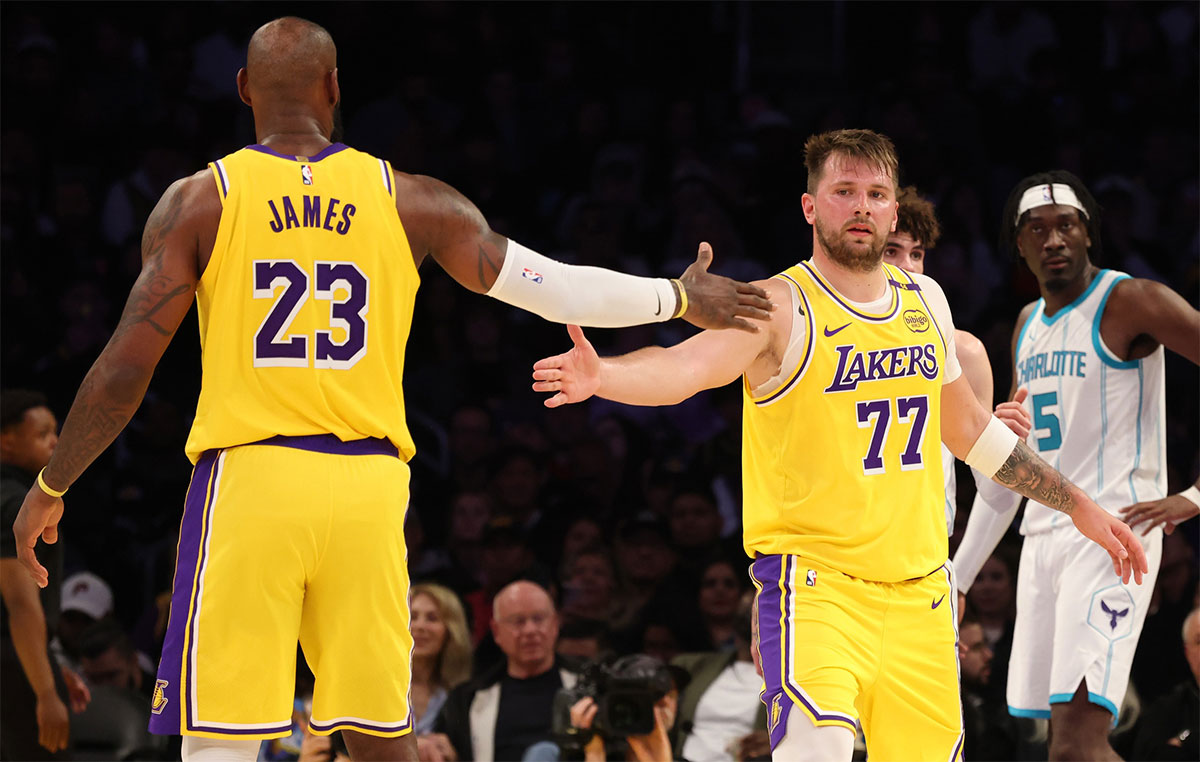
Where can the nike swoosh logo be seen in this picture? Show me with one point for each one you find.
(658, 304)
(938, 602)
(829, 333)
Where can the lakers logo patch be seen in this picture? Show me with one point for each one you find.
(158, 702)
(917, 321)
(776, 710)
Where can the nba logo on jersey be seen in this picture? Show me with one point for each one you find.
(528, 274)
(306, 174)
(159, 701)
(811, 579)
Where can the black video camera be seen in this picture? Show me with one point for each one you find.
(625, 692)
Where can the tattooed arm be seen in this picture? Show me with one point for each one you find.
(184, 220)
(442, 223)
(964, 420)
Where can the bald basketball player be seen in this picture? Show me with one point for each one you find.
(302, 255)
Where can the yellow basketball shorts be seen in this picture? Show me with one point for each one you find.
(846, 651)
(297, 538)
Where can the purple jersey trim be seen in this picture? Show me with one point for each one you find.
(331, 445)
(834, 295)
(327, 151)
(808, 349)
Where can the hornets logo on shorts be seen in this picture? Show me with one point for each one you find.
(158, 701)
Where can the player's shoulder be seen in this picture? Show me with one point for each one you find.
(1130, 292)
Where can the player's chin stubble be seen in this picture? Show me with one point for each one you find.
(850, 257)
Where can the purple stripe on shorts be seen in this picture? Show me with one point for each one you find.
(361, 725)
(166, 721)
(331, 445)
(773, 646)
(327, 151)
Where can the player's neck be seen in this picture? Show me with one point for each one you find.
(1058, 298)
(855, 285)
(295, 134)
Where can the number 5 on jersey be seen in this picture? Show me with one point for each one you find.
(286, 282)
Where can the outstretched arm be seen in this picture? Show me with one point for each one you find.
(442, 223)
(986, 444)
(113, 388)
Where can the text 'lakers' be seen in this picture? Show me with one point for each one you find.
(856, 367)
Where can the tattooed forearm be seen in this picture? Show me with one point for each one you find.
(1027, 474)
(107, 399)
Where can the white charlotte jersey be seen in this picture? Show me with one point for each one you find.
(951, 488)
(1097, 419)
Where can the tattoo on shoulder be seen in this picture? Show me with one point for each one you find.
(154, 289)
(1027, 474)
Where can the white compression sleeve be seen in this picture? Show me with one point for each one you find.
(197, 749)
(985, 526)
(588, 296)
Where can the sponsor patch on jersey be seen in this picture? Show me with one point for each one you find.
(158, 701)
(532, 275)
(306, 174)
(917, 321)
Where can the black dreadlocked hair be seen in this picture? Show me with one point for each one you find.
(1009, 224)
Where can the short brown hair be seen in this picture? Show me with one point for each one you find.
(866, 145)
(916, 217)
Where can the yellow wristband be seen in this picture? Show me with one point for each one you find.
(46, 487)
(683, 303)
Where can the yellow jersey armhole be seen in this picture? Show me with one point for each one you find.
(221, 178)
(806, 356)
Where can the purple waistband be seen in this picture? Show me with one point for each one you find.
(328, 443)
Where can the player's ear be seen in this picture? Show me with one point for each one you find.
(809, 205)
(331, 86)
(243, 86)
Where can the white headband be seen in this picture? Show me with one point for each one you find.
(1042, 195)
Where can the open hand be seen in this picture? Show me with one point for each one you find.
(714, 301)
(1113, 535)
(39, 517)
(1014, 415)
(575, 375)
(1169, 511)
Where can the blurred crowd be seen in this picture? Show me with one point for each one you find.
(612, 135)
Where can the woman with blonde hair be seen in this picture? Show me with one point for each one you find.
(441, 656)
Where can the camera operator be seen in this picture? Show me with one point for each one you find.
(608, 715)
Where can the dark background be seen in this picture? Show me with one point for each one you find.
(601, 133)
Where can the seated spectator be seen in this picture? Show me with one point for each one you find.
(107, 657)
(502, 713)
(1170, 728)
(695, 525)
(441, 657)
(721, 587)
(86, 599)
(583, 640)
(644, 558)
(990, 731)
(588, 586)
(721, 716)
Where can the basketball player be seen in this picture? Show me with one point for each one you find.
(303, 257)
(845, 392)
(1090, 355)
(917, 231)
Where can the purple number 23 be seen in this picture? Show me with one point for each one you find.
(275, 347)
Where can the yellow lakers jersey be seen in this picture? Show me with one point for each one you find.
(841, 460)
(306, 304)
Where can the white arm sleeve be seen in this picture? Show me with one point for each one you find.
(985, 527)
(936, 299)
(587, 296)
